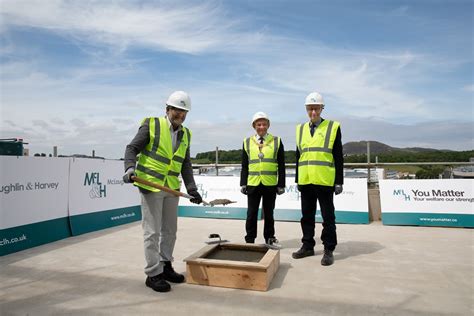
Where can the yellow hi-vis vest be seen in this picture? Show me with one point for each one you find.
(316, 163)
(158, 163)
(262, 169)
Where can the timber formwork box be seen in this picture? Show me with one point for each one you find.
(240, 266)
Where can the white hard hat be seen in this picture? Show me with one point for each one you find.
(180, 100)
(314, 98)
(260, 115)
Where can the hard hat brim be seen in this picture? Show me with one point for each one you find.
(179, 107)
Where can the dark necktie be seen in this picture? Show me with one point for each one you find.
(261, 140)
(312, 128)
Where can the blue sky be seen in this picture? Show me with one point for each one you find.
(81, 75)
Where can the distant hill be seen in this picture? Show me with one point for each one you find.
(360, 148)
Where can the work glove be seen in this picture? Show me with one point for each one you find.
(280, 191)
(128, 175)
(197, 198)
(243, 189)
(338, 189)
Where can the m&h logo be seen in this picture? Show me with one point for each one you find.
(98, 190)
(402, 194)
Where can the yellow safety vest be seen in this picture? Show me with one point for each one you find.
(158, 163)
(263, 165)
(316, 163)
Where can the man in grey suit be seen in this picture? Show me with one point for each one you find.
(162, 145)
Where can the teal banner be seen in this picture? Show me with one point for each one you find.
(429, 219)
(342, 217)
(215, 212)
(84, 223)
(31, 235)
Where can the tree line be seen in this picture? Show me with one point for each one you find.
(235, 156)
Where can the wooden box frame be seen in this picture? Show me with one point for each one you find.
(233, 274)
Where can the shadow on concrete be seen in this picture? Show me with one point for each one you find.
(280, 276)
(356, 248)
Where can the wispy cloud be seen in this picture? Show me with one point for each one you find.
(99, 101)
(193, 28)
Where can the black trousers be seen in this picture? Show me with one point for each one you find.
(309, 195)
(254, 195)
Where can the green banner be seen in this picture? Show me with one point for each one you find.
(215, 212)
(342, 217)
(429, 219)
(84, 223)
(31, 235)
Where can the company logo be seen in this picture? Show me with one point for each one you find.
(98, 190)
(202, 191)
(431, 195)
(402, 194)
(30, 186)
(293, 193)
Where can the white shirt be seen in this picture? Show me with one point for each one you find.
(257, 138)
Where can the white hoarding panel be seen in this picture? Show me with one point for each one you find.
(212, 188)
(98, 196)
(33, 201)
(351, 206)
(447, 202)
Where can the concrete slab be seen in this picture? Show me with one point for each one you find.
(378, 270)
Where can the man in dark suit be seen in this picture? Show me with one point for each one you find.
(262, 177)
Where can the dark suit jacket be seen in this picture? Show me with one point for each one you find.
(338, 158)
(281, 168)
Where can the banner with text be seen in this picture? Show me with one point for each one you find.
(214, 189)
(351, 205)
(33, 202)
(99, 198)
(447, 202)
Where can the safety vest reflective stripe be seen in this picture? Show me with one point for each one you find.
(316, 163)
(266, 173)
(321, 149)
(262, 169)
(262, 160)
(326, 140)
(150, 172)
(158, 162)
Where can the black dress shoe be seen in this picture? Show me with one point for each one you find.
(328, 258)
(170, 275)
(158, 283)
(303, 252)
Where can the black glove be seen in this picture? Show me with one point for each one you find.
(197, 198)
(338, 189)
(298, 187)
(243, 189)
(280, 191)
(128, 175)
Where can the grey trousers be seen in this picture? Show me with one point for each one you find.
(159, 223)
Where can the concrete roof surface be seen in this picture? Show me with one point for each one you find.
(379, 270)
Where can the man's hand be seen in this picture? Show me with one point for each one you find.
(280, 191)
(128, 175)
(243, 189)
(298, 187)
(338, 189)
(197, 198)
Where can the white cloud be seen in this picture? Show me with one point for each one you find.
(192, 28)
(469, 88)
(81, 108)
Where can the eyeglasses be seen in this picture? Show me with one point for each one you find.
(316, 108)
